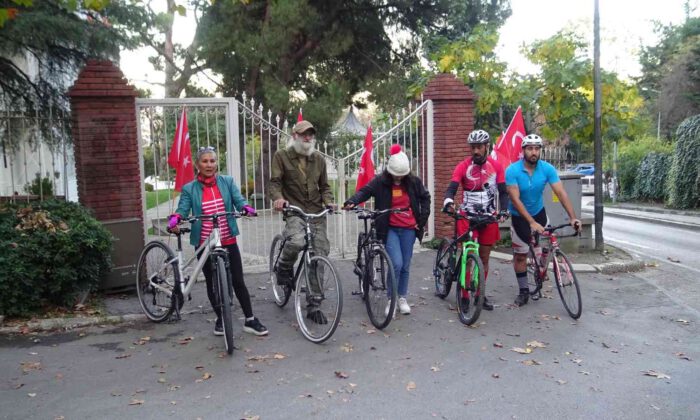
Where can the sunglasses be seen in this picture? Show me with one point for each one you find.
(206, 149)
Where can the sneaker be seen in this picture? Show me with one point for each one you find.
(218, 327)
(403, 306)
(487, 306)
(523, 297)
(315, 315)
(386, 310)
(464, 305)
(254, 327)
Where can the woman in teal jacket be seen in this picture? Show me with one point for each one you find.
(208, 194)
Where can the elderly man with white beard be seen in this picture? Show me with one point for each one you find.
(299, 177)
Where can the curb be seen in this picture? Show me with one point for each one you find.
(654, 210)
(52, 324)
(606, 268)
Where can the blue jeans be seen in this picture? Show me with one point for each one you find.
(399, 246)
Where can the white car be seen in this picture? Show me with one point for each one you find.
(587, 186)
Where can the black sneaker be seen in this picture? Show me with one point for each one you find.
(254, 327)
(218, 327)
(523, 297)
(315, 315)
(487, 306)
(284, 277)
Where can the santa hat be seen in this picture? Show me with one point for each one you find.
(398, 164)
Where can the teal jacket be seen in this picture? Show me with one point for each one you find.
(191, 201)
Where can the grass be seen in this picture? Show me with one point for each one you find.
(154, 198)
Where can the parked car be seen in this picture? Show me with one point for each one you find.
(585, 168)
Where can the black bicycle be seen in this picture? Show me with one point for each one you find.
(315, 282)
(375, 272)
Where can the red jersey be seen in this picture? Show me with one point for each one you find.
(400, 199)
(479, 183)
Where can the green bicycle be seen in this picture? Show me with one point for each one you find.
(468, 269)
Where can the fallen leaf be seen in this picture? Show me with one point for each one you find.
(435, 368)
(577, 361)
(467, 402)
(59, 376)
(531, 362)
(410, 386)
(584, 372)
(521, 350)
(123, 356)
(186, 340)
(681, 355)
(262, 287)
(655, 374)
(207, 375)
(347, 347)
(561, 382)
(655, 407)
(503, 359)
(136, 402)
(161, 380)
(115, 394)
(683, 321)
(498, 345)
(513, 334)
(341, 375)
(18, 386)
(605, 345)
(495, 375)
(30, 366)
(251, 418)
(279, 356)
(31, 395)
(371, 331)
(536, 344)
(675, 260)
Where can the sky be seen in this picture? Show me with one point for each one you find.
(625, 26)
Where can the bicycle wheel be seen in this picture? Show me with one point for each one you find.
(318, 325)
(567, 284)
(223, 284)
(282, 293)
(468, 306)
(380, 288)
(534, 282)
(156, 275)
(442, 270)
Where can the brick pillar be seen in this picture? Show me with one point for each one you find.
(107, 160)
(453, 120)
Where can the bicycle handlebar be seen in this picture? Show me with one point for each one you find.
(376, 213)
(472, 216)
(235, 214)
(300, 212)
(550, 229)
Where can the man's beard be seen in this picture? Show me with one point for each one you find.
(302, 147)
(532, 159)
(479, 160)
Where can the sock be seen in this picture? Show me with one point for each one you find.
(249, 319)
(522, 280)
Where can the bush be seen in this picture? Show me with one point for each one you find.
(684, 177)
(631, 155)
(650, 183)
(40, 186)
(49, 253)
(148, 187)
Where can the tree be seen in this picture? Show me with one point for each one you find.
(684, 177)
(58, 35)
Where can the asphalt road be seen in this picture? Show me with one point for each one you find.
(425, 365)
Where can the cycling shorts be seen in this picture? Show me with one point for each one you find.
(520, 232)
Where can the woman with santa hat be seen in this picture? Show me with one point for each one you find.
(396, 187)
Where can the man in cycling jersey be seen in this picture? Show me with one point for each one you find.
(484, 190)
(525, 181)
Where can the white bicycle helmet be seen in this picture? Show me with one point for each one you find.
(478, 137)
(532, 140)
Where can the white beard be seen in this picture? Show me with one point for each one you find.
(302, 147)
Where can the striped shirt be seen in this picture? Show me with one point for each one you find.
(213, 203)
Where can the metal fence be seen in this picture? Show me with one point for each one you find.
(246, 137)
(37, 154)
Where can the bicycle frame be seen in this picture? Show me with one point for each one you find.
(470, 246)
(308, 250)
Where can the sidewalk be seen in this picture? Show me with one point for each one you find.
(687, 219)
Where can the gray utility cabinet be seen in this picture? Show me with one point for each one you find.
(127, 247)
(557, 215)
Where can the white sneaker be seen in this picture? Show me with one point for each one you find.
(403, 306)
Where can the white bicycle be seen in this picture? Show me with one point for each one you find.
(162, 286)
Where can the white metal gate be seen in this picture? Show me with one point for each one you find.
(245, 137)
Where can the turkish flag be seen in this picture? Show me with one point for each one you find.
(300, 117)
(180, 157)
(508, 147)
(366, 172)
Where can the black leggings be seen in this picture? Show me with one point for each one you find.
(236, 267)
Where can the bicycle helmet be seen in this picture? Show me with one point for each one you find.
(532, 140)
(478, 137)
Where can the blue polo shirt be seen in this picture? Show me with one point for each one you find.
(531, 187)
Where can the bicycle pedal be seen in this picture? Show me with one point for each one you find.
(357, 293)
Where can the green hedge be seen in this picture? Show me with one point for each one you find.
(631, 155)
(684, 177)
(650, 182)
(49, 253)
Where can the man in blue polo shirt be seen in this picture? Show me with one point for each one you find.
(525, 182)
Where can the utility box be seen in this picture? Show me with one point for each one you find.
(557, 214)
(126, 250)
